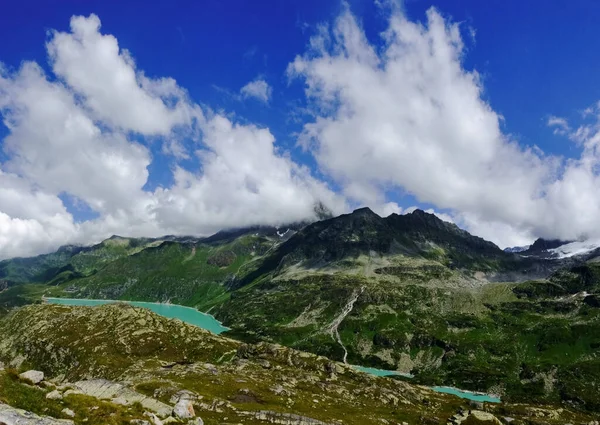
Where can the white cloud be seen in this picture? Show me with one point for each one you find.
(93, 65)
(386, 209)
(409, 115)
(30, 220)
(406, 116)
(560, 125)
(54, 143)
(75, 136)
(244, 181)
(258, 89)
(504, 234)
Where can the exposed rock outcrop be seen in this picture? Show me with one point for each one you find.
(68, 412)
(108, 390)
(284, 418)
(54, 395)
(11, 416)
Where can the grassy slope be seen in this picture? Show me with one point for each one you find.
(414, 314)
(188, 274)
(542, 346)
(87, 410)
(122, 342)
(193, 274)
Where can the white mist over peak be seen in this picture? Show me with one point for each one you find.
(575, 248)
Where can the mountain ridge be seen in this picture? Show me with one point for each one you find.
(405, 292)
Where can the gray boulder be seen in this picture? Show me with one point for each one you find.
(68, 412)
(33, 376)
(184, 409)
(11, 416)
(54, 395)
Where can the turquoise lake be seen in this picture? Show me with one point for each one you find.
(448, 390)
(172, 311)
(467, 394)
(208, 322)
(381, 372)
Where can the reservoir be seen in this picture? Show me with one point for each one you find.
(381, 372)
(208, 322)
(447, 390)
(172, 311)
(467, 394)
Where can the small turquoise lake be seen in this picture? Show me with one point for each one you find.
(467, 394)
(208, 322)
(172, 311)
(381, 372)
(447, 390)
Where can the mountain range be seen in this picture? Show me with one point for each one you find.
(411, 293)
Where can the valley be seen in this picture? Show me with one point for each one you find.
(409, 293)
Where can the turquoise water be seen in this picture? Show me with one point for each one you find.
(448, 390)
(172, 311)
(208, 322)
(466, 394)
(381, 372)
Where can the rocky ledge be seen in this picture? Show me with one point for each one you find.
(11, 416)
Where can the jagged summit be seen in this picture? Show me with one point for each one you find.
(364, 211)
(516, 249)
(363, 232)
(560, 249)
(542, 244)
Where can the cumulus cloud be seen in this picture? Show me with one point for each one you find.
(30, 220)
(94, 66)
(401, 115)
(78, 135)
(409, 115)
(241, 167)
(54, 143)
(258, 89)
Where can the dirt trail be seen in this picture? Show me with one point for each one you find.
(189, 257)
(332, 329)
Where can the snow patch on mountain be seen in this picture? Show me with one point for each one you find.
(515, 249)
(575, 248)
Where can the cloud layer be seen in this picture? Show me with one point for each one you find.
(395, 115)
(75, 135)
(409, 116)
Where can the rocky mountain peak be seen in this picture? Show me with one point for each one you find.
(542, 244)
(364, 212)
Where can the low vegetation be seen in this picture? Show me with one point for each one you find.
(429, 299)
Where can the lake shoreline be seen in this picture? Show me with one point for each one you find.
(214, 325)
(466, 394)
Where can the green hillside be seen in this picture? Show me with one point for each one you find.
(84, 351)
(410, 293)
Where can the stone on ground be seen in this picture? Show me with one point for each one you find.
(11, 416)
(54, 395)
(184, 409)
(33, 376)
(68, 412)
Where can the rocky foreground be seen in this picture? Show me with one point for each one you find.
(118, 364)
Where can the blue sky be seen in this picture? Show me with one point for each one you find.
(536, 61)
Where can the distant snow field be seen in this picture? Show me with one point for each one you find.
(575, 248)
